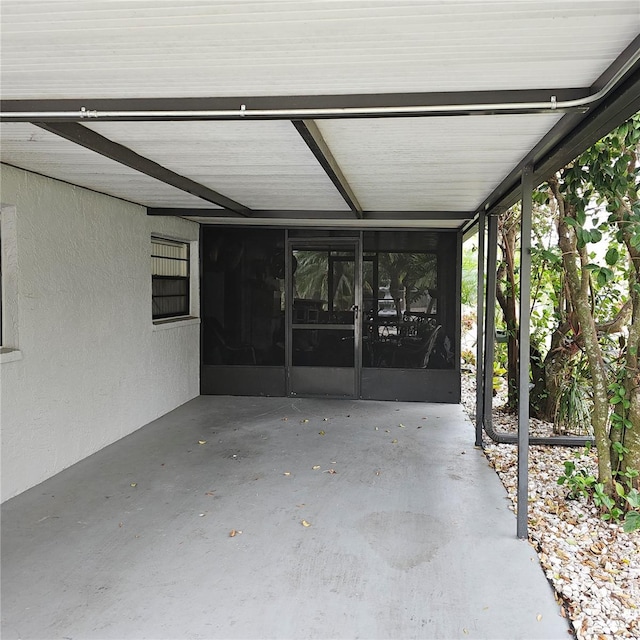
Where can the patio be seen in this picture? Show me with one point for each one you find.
(410, 535)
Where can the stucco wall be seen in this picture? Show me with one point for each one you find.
(92, 367)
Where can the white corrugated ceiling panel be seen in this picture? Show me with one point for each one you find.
(29, 147)
(113, 48)
(261, 164)
(438, 164)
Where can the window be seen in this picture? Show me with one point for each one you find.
(170, 278)
(8, 286)
(1, 333)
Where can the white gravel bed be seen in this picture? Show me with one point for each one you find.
(593, 565)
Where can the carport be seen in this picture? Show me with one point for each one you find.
(237, 140)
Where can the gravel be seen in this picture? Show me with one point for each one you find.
(593, 565)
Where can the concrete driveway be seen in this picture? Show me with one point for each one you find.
(409, 531)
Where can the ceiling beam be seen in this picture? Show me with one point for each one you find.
(97, 143)
(310, 214)
(351, 223)
(312, 136)
(266, 103)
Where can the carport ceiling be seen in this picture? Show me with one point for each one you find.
(342, 112)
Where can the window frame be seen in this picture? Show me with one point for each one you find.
(9, 343)
(185, 311)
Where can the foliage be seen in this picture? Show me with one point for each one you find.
(469, 289)
(598, 198)
(573, 409)
(468, 357)
(507, 291)
(498, 374)
(311, 274)
(410, 275)
(585, 313)
(468, 321)
(578, 480)
(623, 506)
(312, 281)
(598, 202)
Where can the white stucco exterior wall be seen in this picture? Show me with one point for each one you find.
(91, 366)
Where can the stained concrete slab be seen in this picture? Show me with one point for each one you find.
(411, 537)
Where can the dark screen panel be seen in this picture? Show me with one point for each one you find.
(409, 300)
(243, 297)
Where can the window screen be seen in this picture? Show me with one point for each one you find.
(170, 278)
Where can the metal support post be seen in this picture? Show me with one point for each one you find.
(524, 352)
(480, 330)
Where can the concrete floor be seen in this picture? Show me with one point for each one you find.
(411, 536)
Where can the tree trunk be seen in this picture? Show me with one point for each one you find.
(578, 278)
(631, 373)
(506, 296)
(632, 389)
(538, 394)
(557, 363)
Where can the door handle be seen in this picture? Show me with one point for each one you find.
(355, 311)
